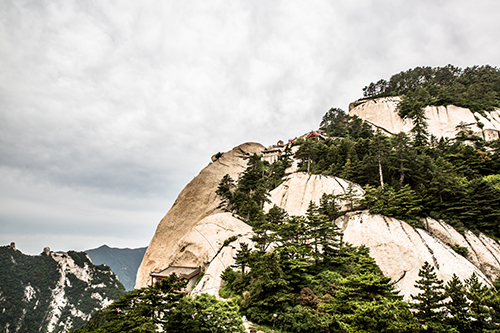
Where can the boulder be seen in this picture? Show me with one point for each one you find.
(195, 202)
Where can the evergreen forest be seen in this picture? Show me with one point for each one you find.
(476, 88)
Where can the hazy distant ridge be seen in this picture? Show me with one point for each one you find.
(123, 262)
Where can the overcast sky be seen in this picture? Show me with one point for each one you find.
(109, 108)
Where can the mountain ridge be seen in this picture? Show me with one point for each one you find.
(52, 292)
(124, 262)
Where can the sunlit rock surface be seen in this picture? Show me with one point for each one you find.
(194, 230)
(482, 251)
(400, 250)
(299, 189)
(207, 238)
(196, 201)
(442, 120)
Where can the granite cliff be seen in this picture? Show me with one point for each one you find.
(195, 202)
(382, 114)
(398, 248)
(195, 231)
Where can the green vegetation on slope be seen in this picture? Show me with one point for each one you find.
(453, 180)
(311, 281)
(476, 88)
(303, 278)
(28, 283)
(247, 196)
(163, 307)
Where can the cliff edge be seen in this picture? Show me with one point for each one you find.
(195, 202)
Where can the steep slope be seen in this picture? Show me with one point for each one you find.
(195, 202)
(482, 251)
(399, 249)
(204, 246)
(298, 189)
(123, 262)
(52, 292)
(194, 231)
(382, 114)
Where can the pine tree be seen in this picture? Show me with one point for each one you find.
(458, 305)
(402, 156)
(204, 313)
(429, 302)
(477, 293)
(225, 192)
(242, 257)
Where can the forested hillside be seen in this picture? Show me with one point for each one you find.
(476, 88)
(51, 292)
(416, 175)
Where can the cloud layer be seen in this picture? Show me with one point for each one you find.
(108, 108)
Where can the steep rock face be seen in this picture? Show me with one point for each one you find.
(200, 245)
(204, 244)
(382, 114)
(298, 189)
(482, 251)
(196, 201)
(52, 292)
(400, 250)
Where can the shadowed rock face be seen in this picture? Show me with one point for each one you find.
(382, 113)
(196, 201)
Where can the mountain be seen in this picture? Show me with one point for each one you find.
(196, 201)
(348, 228)
(52, 292)
(194, 231)
(398, 248)
(123, 262)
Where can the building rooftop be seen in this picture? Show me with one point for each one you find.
(180, 271)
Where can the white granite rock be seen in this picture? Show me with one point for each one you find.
(299, 189)
(382, 113)
(195, 202)
(400, 250)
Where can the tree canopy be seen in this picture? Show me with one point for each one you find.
(476, 88)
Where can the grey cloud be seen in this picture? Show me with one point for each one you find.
(109, 108)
